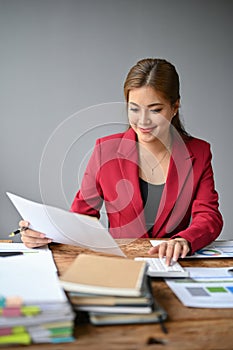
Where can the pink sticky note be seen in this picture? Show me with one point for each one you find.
(11, 312)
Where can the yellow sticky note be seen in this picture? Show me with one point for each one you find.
(30, 310)
(23, 338)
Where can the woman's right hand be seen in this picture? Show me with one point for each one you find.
(31, 238)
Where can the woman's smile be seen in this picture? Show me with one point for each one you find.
(147, 130)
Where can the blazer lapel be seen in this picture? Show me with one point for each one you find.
(180, 171)
(129, 167)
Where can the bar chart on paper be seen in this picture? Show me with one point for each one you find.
(206, 287)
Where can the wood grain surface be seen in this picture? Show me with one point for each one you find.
(188, 328)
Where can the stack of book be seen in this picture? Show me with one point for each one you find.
(33, 306)
(112, 290)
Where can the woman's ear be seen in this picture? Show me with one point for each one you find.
(176, 106)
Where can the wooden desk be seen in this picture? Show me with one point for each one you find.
(188, 328)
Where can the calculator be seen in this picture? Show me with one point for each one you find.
(158, 268)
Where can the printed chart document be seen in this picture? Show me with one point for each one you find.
(217, 249)
(66, 227)
(206, 287)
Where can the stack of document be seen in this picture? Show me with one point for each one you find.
(111, 290)
(33, 306)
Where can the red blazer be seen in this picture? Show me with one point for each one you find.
(189, 203)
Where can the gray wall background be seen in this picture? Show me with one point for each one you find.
(60, 57)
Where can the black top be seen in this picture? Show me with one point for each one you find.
(151, 196)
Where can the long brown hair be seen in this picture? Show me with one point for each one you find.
(160, 75)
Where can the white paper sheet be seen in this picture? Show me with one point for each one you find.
(42, 253)
(66, 227)
(32, 278)
(206, 287)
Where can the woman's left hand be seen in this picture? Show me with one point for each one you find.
(171, 249)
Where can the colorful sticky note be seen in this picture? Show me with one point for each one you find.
(2, 301)
(11, 312)
(14, 301)
(23, 338)
(12, 330)
(30, 310)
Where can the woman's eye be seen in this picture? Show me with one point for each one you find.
(134, 110)
(156, 110)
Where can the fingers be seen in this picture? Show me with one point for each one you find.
(173, 252)
(31, 238)
(172, 249)
(153, 250)
(185, 250)
(23, 224)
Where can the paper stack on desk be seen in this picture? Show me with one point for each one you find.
(111, 290)
(33, 306)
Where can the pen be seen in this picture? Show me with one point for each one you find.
(162, 325)
(6, 254)
(14, 233)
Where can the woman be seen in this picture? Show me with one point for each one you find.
(155, 180)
